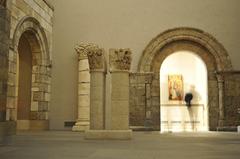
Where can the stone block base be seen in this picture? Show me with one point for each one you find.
(81, 126)
(141, 128)
(108, 134)
(227, 128)
(32, 125)
(7, 129)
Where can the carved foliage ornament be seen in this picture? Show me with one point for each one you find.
(120, 59)
(82, 48)
(95, 57)
(94, 54)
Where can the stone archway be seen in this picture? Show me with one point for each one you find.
(34, 34)
(207, 48)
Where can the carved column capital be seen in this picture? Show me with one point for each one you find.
(220, 78)
(93, 53)
(120, 59)
(81, 50)
(96, 58)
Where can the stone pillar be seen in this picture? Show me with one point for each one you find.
(4, 47)
(97, 87)
(118, 121)
(120, 62)
(7, 128)
(83, 115)
(221, 118)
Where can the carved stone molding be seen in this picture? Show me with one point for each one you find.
(199, 37)
(120, 59)
(32, 25)
(220, 78)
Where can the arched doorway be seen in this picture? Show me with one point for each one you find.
(183, 72)
(29, 86)
(202, 44)
(24, 82)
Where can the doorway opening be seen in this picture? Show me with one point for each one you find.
(204, 46)
(24, 83)
(29, 76)
(181, 73)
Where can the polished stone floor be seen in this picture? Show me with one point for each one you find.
(145, 145)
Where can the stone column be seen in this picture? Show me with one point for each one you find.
(221, 118)
(118, 121)
(4, 48)
(83, 115)
(97, 87)
(120, 62)
(7, 128)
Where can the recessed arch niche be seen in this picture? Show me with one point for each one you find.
(202, 44)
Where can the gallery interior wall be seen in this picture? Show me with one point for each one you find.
(132, 24)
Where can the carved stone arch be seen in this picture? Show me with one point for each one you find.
(202, 44)
(183, 45)
(37, 35)
(34, 34)
(200, 37)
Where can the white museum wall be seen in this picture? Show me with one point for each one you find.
(194, 74)
(127, 23)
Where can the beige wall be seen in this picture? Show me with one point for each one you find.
(128, 23)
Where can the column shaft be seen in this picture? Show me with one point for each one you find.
(120, 62)
(83, 107)
(97, 98)
(120, 100)
(221, 100)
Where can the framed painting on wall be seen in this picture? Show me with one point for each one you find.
(175, 87)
